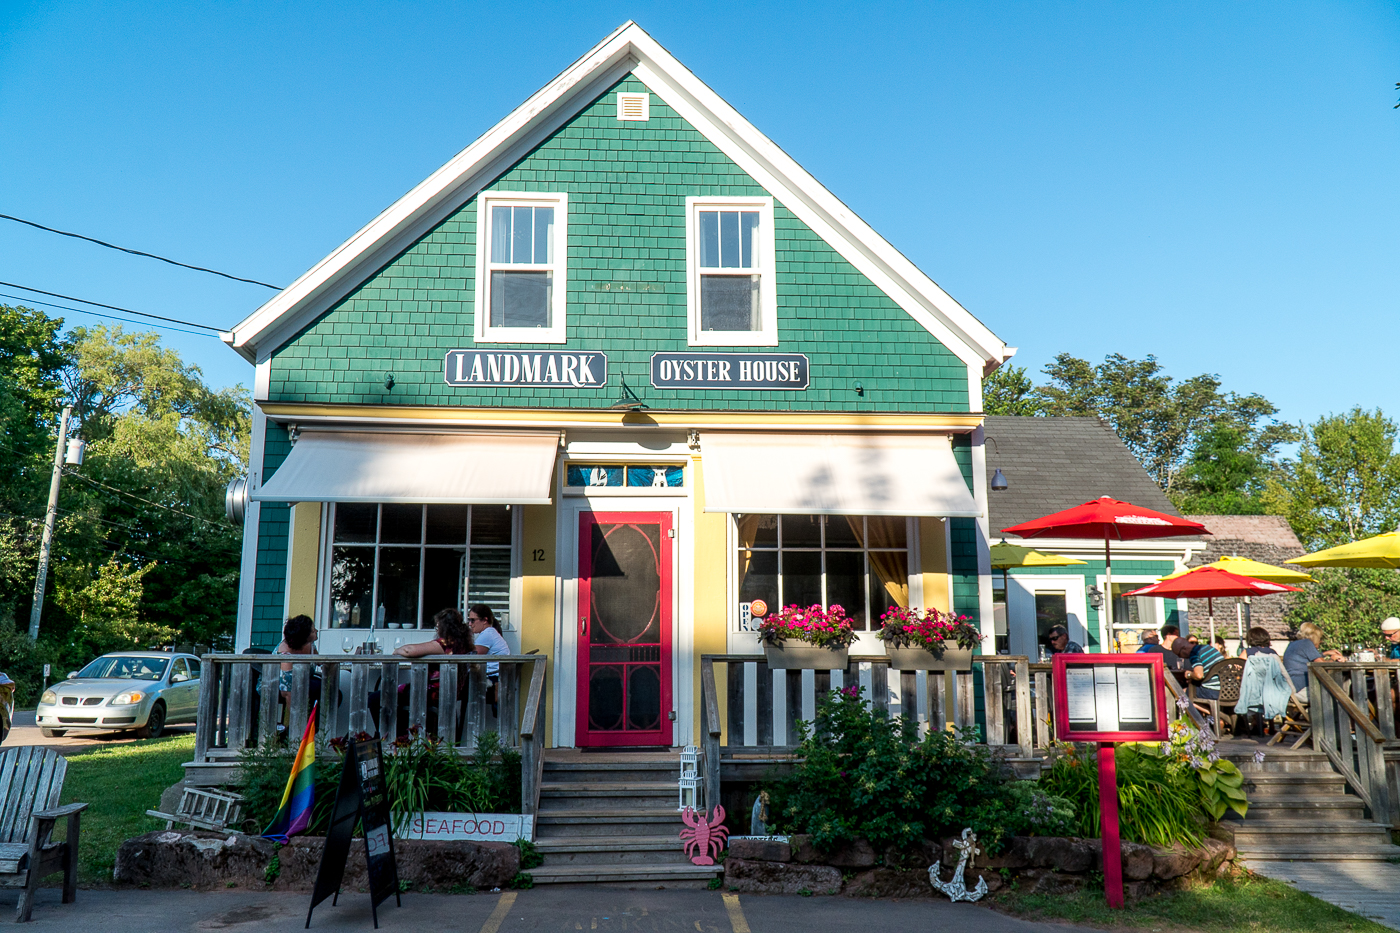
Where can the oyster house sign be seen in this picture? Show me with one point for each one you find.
(582, 370)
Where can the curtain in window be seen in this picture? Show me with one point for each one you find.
(891, 568)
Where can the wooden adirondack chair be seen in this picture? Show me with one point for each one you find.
(31, 779)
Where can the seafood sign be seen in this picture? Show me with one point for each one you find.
(480, 827)
(703, 837)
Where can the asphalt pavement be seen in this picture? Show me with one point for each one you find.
(600, 908)
(24, 732)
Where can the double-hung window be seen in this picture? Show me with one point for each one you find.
(520, 267)
(731, 290)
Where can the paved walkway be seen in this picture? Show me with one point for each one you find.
(24, 732)
(563, 908)
(1367, 888)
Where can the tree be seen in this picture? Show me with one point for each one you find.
(1223, 476)
(1344, 484)
(107, 608)
(1009, 391)
(1348, 604)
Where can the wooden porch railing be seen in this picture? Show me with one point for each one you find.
(1343, 728)
(241, 706)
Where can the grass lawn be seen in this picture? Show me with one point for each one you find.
(1256, 905)
(119, 784)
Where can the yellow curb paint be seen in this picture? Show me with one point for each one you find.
(736, 914)
(503, 906)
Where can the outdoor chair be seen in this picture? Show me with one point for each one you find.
(1295, 716)
(1230, 671)
(31, 780)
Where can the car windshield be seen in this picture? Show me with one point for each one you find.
(119, 668)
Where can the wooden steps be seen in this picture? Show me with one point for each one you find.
(611, 817)
(1300, 809)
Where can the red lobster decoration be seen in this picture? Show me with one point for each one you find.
(703, 835)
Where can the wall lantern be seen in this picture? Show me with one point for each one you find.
(1095, 596)
(690, 778)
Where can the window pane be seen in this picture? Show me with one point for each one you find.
(352, 582)
(802, 531)
(845, 585)
(729, 239)
(757, 530)
(729, 302)
(887, 531)
(522, 235)
(521, 299)
(1050, 611)
(355, 521)
(654, 476)
(844, 531)
(544, 234)
(889, 581)
(758, 577)
(488, 580)
(401, 524)
(802, 578)
(578, 475)
(709, 239)
(500, 234)
(398, 586)
(748, 224)
(447, 524)
(444, 574)
(490, 524)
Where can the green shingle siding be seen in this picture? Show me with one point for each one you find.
(1090, 573)
(627, 184)
(270, 575)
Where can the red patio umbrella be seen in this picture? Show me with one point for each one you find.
(1109, 519)
(1211, 582)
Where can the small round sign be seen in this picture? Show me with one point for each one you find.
(758, 609)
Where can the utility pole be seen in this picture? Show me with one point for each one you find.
(49, 518)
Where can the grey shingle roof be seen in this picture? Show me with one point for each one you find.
(1053, 464)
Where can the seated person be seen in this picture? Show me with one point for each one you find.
(1149, 641)
(1202, 658)
(1170, 660)
(451, 636)
(486, 632)
(1257, 640)
(1390, 628)
(298, 637)
(1057, 640)
(1301, 652)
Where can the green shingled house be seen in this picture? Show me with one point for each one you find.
(618, 370)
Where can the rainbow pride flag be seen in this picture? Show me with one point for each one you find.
(294, 813)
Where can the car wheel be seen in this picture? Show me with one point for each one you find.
(53, 733)
(155, 723)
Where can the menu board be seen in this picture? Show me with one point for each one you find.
(360, 801)
(1110, 697)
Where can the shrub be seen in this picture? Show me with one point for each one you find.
(1157, 803)
(865, 774)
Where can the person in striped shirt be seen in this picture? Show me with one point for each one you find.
(1203, 657)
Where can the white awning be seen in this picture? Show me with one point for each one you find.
(833, 474)
(333, 466)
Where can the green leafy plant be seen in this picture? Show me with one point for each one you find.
(522, 881)
(714, 884)
(274, 865)
(1219, 782)
(530, 856)
(1157, 803)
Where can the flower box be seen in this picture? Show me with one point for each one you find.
(799, 657)
(922, 659)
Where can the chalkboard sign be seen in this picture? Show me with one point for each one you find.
(360, 799)
(1110, 697)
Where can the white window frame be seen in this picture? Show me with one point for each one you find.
(767, 283)
(555, 333)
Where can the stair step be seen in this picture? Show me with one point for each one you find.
(1314, 827)
(1332, 806)
(634, 772)
(553, 824)
(608, 789)
(1316, 853)
(593, 844)
(1295, 782)
(596, 873)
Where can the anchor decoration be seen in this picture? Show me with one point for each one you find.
(955, 888)
(704, 837)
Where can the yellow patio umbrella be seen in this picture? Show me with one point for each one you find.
(1244, 567)
(1005, 556)
(1381, 551)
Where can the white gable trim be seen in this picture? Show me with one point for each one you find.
(628, 49)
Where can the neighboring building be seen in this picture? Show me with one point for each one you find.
(1265, 538)
(1052, 464)
(618, 369)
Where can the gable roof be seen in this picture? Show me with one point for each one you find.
(629, 49)
(1052, 464)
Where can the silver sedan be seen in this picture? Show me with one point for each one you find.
(127, 690)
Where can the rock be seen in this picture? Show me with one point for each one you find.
(1049, 881)
(1224, 831)
(762, 850)
(203, 859)
(1174, 862)
(171, 859)
(1137, 862)
(170, 797)
(1014, 855)
(1054, 852)
(890, 882)
(803, 851)
(1214, 853)
(858, 853)
(754, 877)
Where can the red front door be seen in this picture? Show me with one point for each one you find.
(624, 657)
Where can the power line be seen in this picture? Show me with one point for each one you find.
(98, 304)
(122, 492)
(109, 317)
(137, 252)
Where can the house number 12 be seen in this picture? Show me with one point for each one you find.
(537, 554)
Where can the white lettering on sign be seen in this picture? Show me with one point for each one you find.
(481, 827)
(729, 371)
(475, 368)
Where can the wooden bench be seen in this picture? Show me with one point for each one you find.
(31, 780)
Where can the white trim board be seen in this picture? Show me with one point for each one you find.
(627, 49)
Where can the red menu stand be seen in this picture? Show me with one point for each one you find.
(1110, 698)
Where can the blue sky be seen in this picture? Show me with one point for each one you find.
(1217, 184)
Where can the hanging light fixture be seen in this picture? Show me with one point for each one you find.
(999, 483)
(628, 401)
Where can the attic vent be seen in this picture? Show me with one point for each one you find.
(633, 106)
